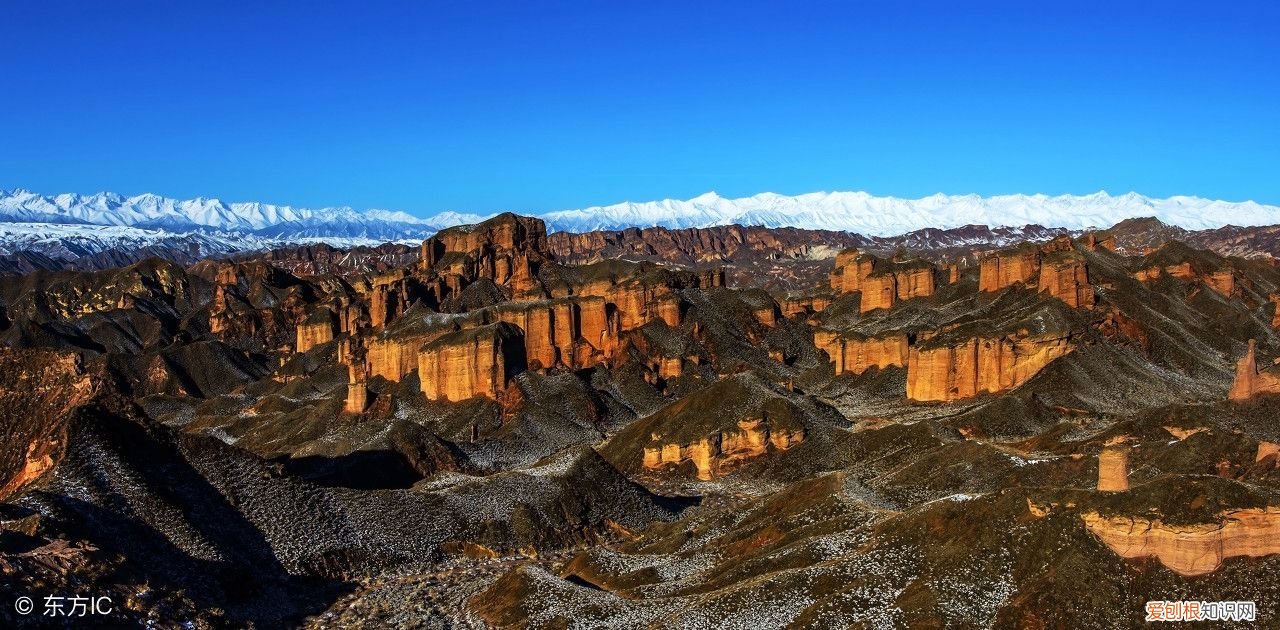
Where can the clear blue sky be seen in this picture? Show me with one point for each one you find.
(481, 106)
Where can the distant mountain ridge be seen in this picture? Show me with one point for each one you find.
(149, 211)
(865, 214)
(89, 231)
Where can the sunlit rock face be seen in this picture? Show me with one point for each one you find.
(963, 370)
(1113, 468)
(357, 390)
(1250, 382)
(856, 355)
(1195, 549)
(1095, 241)
(1066, 277)
(722, 450)
(1275, 317)
(389, 297)
(882, 283)
(1007, 268)
(38, 389)
(318, 329)
(852, 267)
(1181, 271)
(469, 363)
(569, 332)
(506, 249)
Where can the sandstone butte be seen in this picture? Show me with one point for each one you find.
(1223, 280)
(856, 355)
(476, 362)
(1006, 268)
(1249, 382)
(1060, 270)
(1195, 549)
(317, 330)
(506, 249)
(357, 389)
(1094, 241)
(851, 268)
(1065, 276)
(1113, 468)
(572, 320)
(721, 450)
(882, 283)
(946, 372)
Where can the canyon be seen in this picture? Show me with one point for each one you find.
(651, 422)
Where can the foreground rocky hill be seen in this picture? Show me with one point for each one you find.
(649, 428)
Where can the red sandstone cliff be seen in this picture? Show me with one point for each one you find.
(1007, 268)
(882, 283)
(1195, 549)
(1249, 382)
(506, 249)
(1065, 276)
(856, 355)
(942, 372)
(468, 363)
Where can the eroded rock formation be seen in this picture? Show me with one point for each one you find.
(38, 389)
(357, 389)
(318, 330)
(1195, 549)
(1249, 382)
(881, 282)
(954, 371)
(506, 249)
(1113, 468)
(855, 355)
(1009, 267)
(851, 268)
(1065, 276)
(476, 362)
(722, 450)
(572, 332)
(1094, 241)
(1223, 281)
(1181, 271)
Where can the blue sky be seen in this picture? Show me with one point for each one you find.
(532, 106)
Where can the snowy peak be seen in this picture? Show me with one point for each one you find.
(885, 216)
(202, 214)
(70, 225)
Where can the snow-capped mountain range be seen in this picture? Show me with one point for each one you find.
(887, 216)
(68, 226)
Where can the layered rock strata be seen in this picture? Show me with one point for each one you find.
(318, 330)
(961, 370)
(1113, 468)
(1065, 276)
(882, 283)
(476, 362)
(506, 249)
(852, 267)
(1188, 550)
(855, 355)
(1006, 268)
